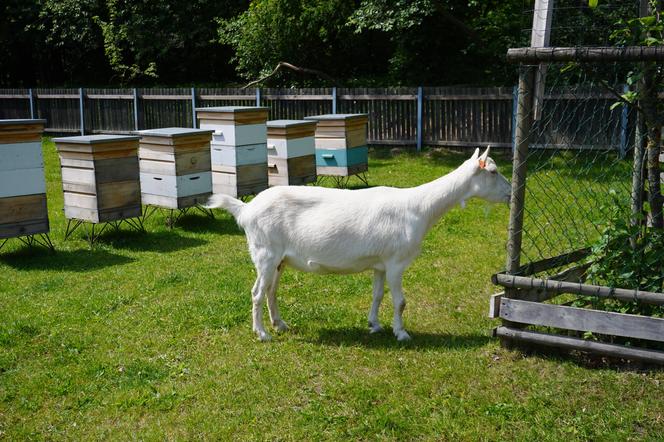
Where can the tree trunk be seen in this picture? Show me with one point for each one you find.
(654, 131)
(637, 173)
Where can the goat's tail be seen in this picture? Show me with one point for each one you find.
(227, 202)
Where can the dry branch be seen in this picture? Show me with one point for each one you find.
(300, 70)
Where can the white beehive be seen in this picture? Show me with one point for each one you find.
(291, 152)
(23, 208)
(341, 144)
(239, 148)
(175, 167)
(100, 177)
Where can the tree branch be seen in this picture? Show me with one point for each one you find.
(284, 65)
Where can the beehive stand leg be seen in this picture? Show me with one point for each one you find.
(44, 240)
(135, 223)
(70, 229)
(206, 211)
(2, 244)
(149, 211)
(363, 177)
(28, 241)
(94, 236)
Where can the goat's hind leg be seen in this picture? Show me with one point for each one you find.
(273, 307)
(266, 270)
(394, 278)
(378, 291)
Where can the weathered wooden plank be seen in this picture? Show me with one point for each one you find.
(176, 186)
(523, 282)
(341, 171)
(291, 171)
(555, 261)
(13, 230)
(494, 305)
(234, 135)
(579, 319)
(570, 343)
(102, 216)
(589, 54)
(175, 203)
(110, 96)
(239, 155)
(165, 97)
(23, 208)
(377, 97)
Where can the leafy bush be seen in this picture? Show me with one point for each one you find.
(628, 256)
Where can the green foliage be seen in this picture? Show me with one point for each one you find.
(629, 256)
(306, 33)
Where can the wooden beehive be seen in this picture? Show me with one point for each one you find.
(341, 144)
(175, 167)
(23, 208)
(291, 152)
(239, 148)
(100, 177)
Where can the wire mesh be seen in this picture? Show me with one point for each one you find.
(579, 171)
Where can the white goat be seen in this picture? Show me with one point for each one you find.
(322, 230)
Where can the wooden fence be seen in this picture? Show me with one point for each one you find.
(442, 116)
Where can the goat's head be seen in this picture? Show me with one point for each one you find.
(486, 182)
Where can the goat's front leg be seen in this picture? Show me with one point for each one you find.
(394, 278)
(378, 291)
(272, 306)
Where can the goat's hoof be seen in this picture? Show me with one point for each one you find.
(375, 328)
(264, 336)
(280, 325)
(402, 336)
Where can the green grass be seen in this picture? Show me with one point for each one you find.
(148, 336)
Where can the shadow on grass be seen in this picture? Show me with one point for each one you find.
(222, 223)
(37, 258)
(163, 242)
(385, 339)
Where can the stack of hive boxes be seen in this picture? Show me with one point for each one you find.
(22, 186)
(175, 167)
(100, 177)
(239, 148)
(341, 144)
(291, 152)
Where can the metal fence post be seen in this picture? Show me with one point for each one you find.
(135, 109)
(419, 118)
(524, 123)
(81, 97)
(193, 107)
(258, 96)
(31, 97)
(334, 100)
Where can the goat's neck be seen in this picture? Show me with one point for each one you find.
(435, 198)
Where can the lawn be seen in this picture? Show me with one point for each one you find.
(148, 337)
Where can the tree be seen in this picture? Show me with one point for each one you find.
(306, 33)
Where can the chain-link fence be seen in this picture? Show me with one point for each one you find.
(580, 218)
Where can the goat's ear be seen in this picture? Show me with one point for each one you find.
(482, 159)
(485, 155)
(476, 154)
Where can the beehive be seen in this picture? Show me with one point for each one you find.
(341, 144)
(22, 186)
(291, 152)
(239, 148)
(175, 167)
(100, 177)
